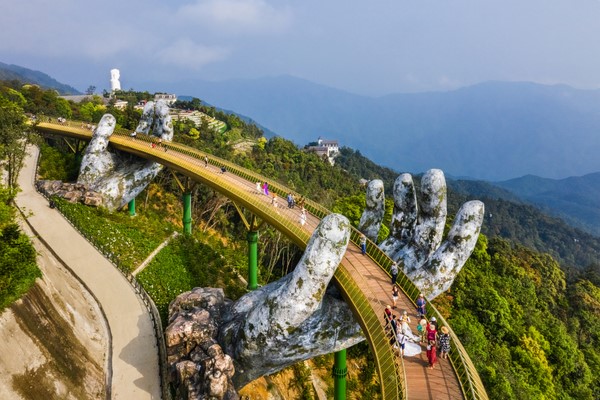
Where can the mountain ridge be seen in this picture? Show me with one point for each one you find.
(491, 131)
(26, 75)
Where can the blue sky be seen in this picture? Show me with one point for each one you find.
(372, 48)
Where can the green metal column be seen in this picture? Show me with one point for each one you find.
(187, 213)
(252, 260)
(131, 206)
(339, 375)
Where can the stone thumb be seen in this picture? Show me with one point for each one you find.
(101, 135)
(301, 291)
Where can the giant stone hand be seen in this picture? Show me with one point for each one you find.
(118, 176)
(416, 234)
(296, 318)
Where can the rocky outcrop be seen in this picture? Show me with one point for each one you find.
(200, 369)
(294, 319)
(74, 192)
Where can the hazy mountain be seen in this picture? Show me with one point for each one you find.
(25, 75)
(506, 215)
(575, 199)
(491, 131)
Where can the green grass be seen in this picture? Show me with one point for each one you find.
(187, 263)
(124, 240)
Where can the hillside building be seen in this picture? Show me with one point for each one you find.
(167, 97)
(326, 148)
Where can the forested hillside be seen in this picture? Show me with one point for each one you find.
(574, 199)
(18, 268)
(22, 74)
(506, 216)
(532, 329)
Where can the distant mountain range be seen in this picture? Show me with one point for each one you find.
(14, 72)
(574, 199)
(491, 131)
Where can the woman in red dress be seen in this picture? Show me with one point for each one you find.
(431, 354)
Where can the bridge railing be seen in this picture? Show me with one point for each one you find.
(465, 370)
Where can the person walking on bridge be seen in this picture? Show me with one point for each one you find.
(363, 247)
(395, 293)
(394, 272)
(421, 306)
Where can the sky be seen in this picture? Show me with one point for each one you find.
(371, 48)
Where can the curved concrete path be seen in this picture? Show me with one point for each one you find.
(135, 373)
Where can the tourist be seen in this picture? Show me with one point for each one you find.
(205, 161)
(421, 312)
(387, 315)
(433, 321)
(301, 201)
(421, 329)
(266, 188)
(444, 342)
(401, 340)
(394, 272)
(431, 354)
(405, 316)
(363, 247)
(395, 293)
(394, 324)
(431, 332)
(303, 217)
(133, 135)
(259, 188)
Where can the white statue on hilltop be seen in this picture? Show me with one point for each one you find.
(114, 80)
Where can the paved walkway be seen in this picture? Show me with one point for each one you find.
(135, 373)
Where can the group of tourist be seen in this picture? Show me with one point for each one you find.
(408, 344)
(263, 188)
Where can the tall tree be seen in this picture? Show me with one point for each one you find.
(13, 135)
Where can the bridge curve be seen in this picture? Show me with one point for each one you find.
(363, 281)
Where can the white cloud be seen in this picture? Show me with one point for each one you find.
(185, 53)
(238, 16)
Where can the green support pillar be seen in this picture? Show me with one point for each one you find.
(131, 206)
(339, 375)
(252, 260)
(187, 213)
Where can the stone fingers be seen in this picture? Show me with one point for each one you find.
(97, 161)
(449, 258)
(156, 121)
(163, 126)
(146, 119)
(370, 221)
(404, 216)
(428, 232)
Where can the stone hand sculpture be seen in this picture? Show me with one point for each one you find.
(121, 177)
(415, 239)
(296, 318)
